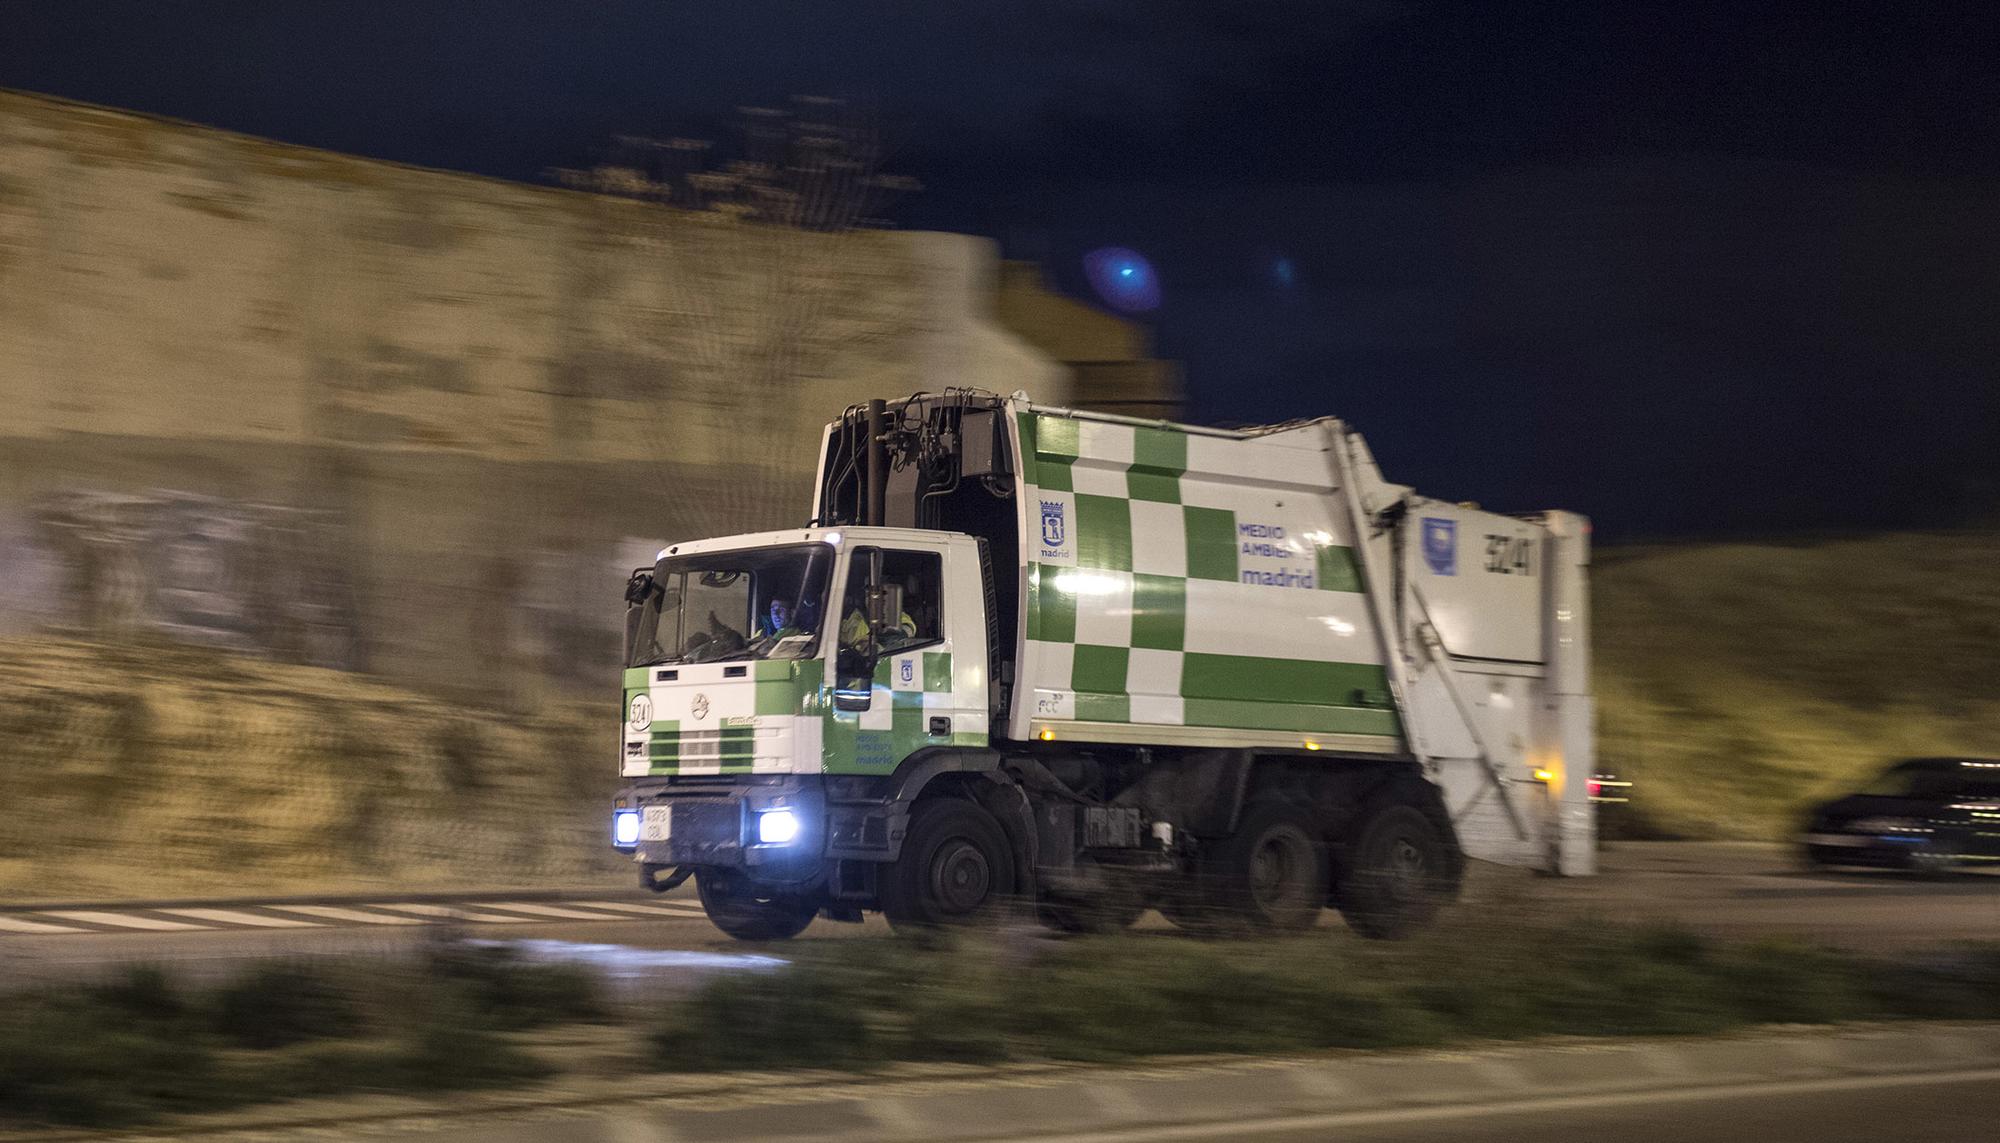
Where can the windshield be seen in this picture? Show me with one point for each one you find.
(765, 603)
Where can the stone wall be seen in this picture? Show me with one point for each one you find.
(344, 412)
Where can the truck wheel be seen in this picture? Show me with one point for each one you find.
(1270, 876)
(749, 912)
(1397, 874)
(1271, 873)
(957, 868)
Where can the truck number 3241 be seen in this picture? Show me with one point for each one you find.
(1510, 555)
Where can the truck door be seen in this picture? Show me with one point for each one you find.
(925, 684)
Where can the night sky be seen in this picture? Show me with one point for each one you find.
(1694, 269)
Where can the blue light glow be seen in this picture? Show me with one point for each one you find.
(1123, 279)
(625, 828)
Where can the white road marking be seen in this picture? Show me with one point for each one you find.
(12, 925)
(443, 913)
(126, 921)
(663, 909)
(232, 917)
(355, 916)
(484, 913)
(551, 911)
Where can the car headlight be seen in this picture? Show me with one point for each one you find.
(625, 828)
(777, 827)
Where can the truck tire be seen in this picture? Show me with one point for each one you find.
(957, 868)
(747, 912)
(1396, 875)
(1270, 876)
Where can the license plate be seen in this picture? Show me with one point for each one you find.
(1844, 840)
(657, 824)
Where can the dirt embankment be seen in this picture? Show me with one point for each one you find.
(154, 770)
(1738, 682)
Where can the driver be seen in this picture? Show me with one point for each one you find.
(778, 619)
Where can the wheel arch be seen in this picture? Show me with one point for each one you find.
(976, 775)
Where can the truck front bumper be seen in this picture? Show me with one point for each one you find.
(723, 825)
(774, 831)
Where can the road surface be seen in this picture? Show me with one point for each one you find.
(1724, 890)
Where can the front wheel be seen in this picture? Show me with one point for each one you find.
(957, 868)
(752, 912)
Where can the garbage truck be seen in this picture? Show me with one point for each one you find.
(1032, 661)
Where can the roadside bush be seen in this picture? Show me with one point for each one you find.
(1784, 982)
(1478, 977)
(499, 989)
(815, 1016)
(1951, 984)
(272, 1006)
(450, 1051)
(140, 1045)
(144, 993)
(103, 1057)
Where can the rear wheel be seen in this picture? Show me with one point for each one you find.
(752, 912)
(1397, 875)
(1270, 876)
(1930, 860)
(957, 868)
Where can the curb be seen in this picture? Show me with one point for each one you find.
(1128, 1100)
(963, 1103)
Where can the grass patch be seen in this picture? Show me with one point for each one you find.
(858, 1004)
(142, 1045)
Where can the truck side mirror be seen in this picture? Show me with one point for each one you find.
(639, 586)
(854, 678)
(638, 590)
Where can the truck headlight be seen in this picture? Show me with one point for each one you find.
(777, 827)
(625, 828)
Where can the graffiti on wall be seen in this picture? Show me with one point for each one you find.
(257, 578)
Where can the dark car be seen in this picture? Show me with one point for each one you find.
(1923, 814)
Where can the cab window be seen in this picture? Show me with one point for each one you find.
(913, 585)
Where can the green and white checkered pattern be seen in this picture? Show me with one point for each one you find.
(1181, 579)
(779, 717)
(910, 690)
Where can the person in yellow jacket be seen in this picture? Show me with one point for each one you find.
(854, 631)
